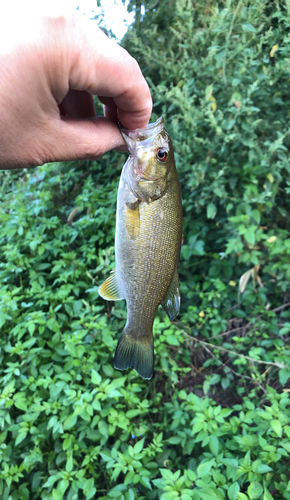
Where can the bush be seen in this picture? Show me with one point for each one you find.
(213, 423)
(219, 75)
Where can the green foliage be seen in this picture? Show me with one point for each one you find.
(222, 87)
(213, 423)
(219, 74)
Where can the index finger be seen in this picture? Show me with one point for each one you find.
(101, 67)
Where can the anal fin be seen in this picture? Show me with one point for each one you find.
(110, 289)
(171, 301)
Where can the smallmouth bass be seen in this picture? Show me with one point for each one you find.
(147, 243)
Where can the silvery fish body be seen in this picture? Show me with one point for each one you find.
(147, 243)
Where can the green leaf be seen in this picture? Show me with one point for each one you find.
(170, 495)
(88, 486)
(132, 413)
(255, 490)
(96, 377)
(191, 475)
(187, 496)
(70, 422)
(256, 216)
(264, 414)
(21, 404)
(129, 477)
(263, 469)
(284, 373)
(71, 349)
(159, 483)
(232, 462)
(114, 494)
(204, 468)
(96, 405)
(90, 493)
(173, 440)
(277, 427)
(250, 236)
(51, 480)
(103, 428)
(267, 495)
(211, 211)
(33, 245)
(131, 494)
(167, 474)
(31, 328)
(214, 445)
(248, 27)
(69, 463)
(233, 491)
(285, 329)
(172, 340)
(208, 494)
(286, 446)
(145, 481)
(20, 437)
(57, 495)
(139, 446)
(62, 486)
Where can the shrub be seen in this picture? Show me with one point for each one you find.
(213, 423)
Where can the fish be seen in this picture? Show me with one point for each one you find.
(147, 243)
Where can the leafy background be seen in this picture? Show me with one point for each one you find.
(214, 422)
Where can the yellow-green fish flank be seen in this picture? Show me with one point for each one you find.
(147, 243)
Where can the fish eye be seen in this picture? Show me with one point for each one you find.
(162, 155)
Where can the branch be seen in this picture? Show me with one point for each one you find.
(253, 360)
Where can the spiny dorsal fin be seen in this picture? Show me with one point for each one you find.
(171, 301)
(132, 352)
(110, 289)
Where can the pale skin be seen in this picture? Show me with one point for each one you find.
(50, 69)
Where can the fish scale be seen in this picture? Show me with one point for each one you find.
(147, 244)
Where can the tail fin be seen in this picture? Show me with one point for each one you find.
(135, 353)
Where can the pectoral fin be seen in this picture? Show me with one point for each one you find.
(171, 302)
(132, 219)
(132, 201)
(110, 289)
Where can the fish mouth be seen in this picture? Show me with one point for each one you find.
(141, 134)
(149, 181)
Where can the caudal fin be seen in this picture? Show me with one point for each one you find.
(132, 353)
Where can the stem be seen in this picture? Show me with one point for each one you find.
(253, 360)
(227, 41)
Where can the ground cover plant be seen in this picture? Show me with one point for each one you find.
(214, 422)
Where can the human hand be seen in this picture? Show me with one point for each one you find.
(50, 68)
